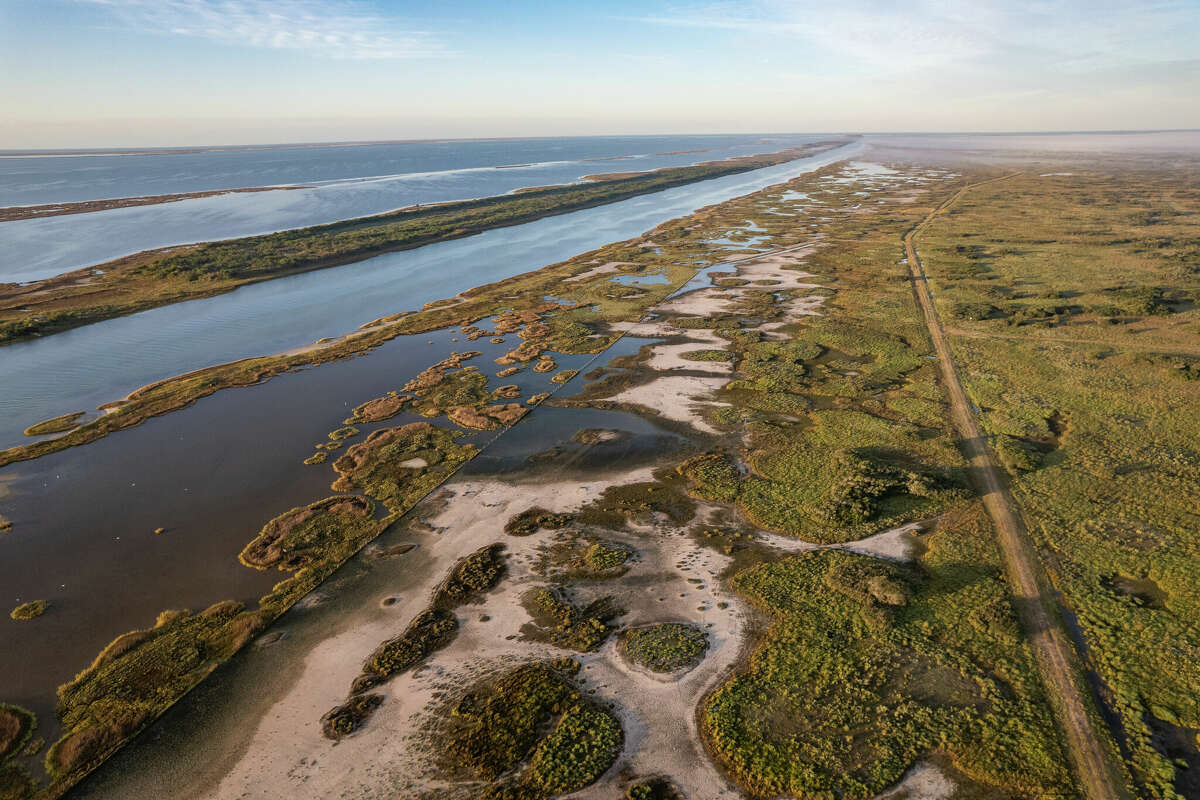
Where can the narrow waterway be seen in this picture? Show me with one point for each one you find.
(79, 369)
(338, 181)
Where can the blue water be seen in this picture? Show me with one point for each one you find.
(79, 369)
(36, 179)
(630, 280)
(346, 181)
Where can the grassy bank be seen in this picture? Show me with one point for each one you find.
(174, 274)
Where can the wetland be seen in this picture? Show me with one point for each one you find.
(684, 514)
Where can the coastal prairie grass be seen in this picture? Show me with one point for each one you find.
(1085, 387)
(869, 666)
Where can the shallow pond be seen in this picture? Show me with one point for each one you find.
(79, 369)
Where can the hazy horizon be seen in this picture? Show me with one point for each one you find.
(187, 73)
(266, 145)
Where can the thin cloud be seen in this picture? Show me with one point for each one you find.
(336, 29)
(930, 34)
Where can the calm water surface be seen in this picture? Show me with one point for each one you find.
(345, 181)
(80, 369)
(214, 473)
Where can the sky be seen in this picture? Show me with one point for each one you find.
(113, 73)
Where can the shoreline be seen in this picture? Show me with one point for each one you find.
(163, 276)
(14, 213)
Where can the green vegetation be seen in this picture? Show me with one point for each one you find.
(1088, 402)
(572, 555)
(532, 520)
(169, 275)
(398, 466)
(15, 782)
(617, 503)
(600, 558)
(431, 630)
(529, 734)
(31, 610)
(868, 666)
(379, 409)
(304, 536)
(137, 677)
(57, 425)
(580, 748)
(350, 716)
(666, 647)
(712, 476)
(653, 789)
(707, 355)
(580, 628)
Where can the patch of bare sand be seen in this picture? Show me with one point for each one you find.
(659, 716)
(676, 397)
(710, 301)
(603, 269)
(288, 756)
(667, 357)
(923, 782)
(895, 544)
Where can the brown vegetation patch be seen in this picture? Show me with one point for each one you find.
(16, 726)
(294, 539)
(380, 408)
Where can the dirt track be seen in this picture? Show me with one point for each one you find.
(1060, 669)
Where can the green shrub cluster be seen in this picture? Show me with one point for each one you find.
(350, 716)
(653, 789)
(307, 535)
(712, 476)
(138, 676)
(602, 558)
(31, 610)
(863, 481)
(835, 704)
(582, 629)
(847, 474)
(532, 520)
(377, 465)
(530, 734)
(580, 748)
(617, 503)
(665, 647)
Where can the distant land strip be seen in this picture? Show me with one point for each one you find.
(12, 213)
(154, 278)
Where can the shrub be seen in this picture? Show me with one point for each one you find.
(30, 610)
(666, 647)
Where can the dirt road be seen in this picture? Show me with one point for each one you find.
(1057, 660)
